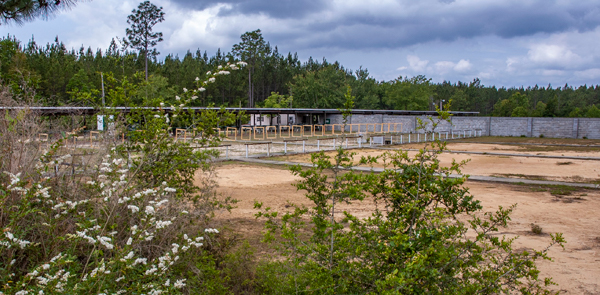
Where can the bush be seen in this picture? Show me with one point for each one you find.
(415, 241)
(536, 229)
(132, 223)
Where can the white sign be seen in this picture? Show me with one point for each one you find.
(100, 123)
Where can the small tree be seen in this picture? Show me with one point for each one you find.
(140, 35)
(414, 242)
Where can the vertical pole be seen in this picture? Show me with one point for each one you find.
(400, 138)
(246, 151)
(418, 137)
(370, 141)
(359, 139)
(346, 142)
(464, 133)
(227, 153)
(334, 143)
(303, 146)
(409, 137)
(102, 79)
(318, 145)
(268, 149)
(285, 147)
(391, 139)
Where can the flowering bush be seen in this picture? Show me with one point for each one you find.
(127, 226)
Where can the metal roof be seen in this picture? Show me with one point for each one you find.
(63, 111)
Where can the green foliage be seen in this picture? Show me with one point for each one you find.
(57, 74)
(410, 93)
(593, 112)
(323, 88)
(277, 100)
(19, 11)
(414, 242)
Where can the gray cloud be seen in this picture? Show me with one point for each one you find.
(278, 9)
(405, 23)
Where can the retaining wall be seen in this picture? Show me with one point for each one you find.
(491, 126)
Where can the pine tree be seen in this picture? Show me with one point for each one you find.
(140, 35)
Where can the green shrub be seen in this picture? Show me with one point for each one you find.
(413, 242)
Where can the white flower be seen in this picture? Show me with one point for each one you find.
(179, 284)
(162, 104)
(133, 208)
(208, 73)
(220, 67)
(149, 210)
(177, 97)
(201, 89)
(184, 89)
(212, 80)
(223, 73)
(242, 63)
(194, 97)
(157, 116)
(197, 79)
(129, 241)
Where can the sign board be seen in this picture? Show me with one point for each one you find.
(100, 122)
(327, 121)
(377, 140)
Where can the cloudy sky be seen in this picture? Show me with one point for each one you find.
(502, 42)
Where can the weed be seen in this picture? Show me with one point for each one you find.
(541, 135)
(536, 229)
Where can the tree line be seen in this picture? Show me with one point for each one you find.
(61, 76)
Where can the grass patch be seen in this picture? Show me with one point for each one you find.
(558, 191)
(523, 176)
(536, 229)
(545, 140)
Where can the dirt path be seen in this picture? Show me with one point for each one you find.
(576, 269)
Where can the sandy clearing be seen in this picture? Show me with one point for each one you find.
(576, 269)
(502, 166)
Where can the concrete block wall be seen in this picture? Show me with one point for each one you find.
(589, 128)
(554, 127)
(493, 126)
(503, 126)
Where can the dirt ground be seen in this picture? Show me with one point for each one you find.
(576, 268)
(503, 165)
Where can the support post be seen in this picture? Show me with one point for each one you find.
(318, 145)
(285, 147)
(303, 146)
(246, 151)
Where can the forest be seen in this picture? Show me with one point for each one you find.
(57, 76)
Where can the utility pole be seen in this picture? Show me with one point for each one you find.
(102, 78)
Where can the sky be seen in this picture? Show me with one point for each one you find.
(508, 43)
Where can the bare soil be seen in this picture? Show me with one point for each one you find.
(502, 166)
(576, 268)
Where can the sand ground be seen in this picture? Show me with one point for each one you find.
(569, 170)
(576, 268)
